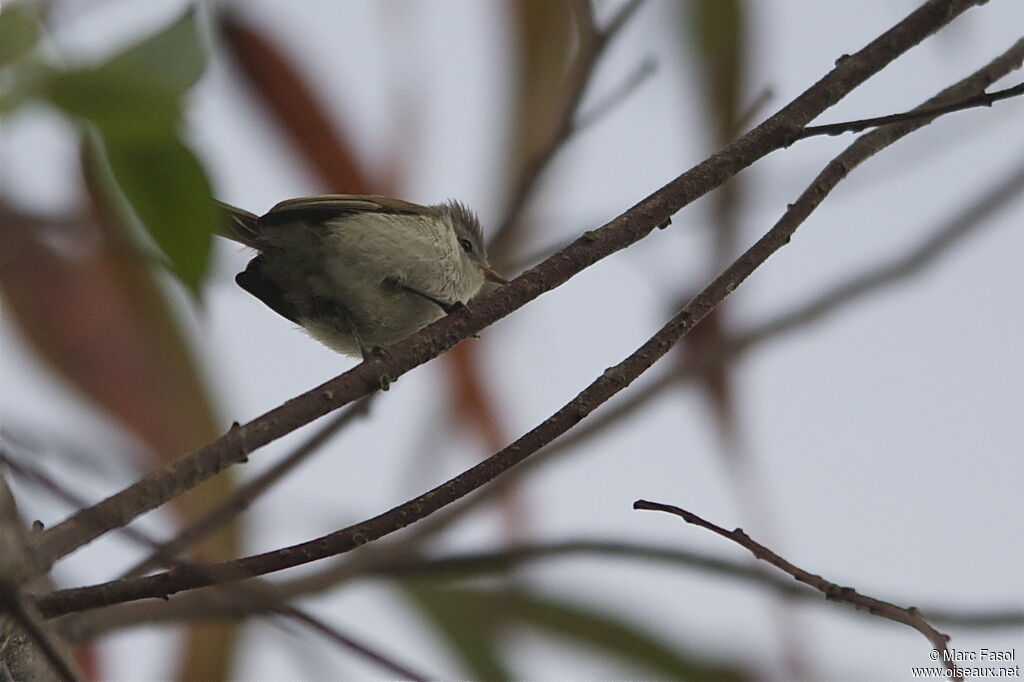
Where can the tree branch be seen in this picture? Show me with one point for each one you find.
(636, 223)
(982, 100)
(832, 591)
(608, 384)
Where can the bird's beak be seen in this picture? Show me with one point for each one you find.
(490, 275)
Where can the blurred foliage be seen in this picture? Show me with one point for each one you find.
(474, 622)
(714, 41)
(76, 284)
(318, 136)
(717, 32)
(18, 33)
(134, 100)
(471, 634)
(546, 35)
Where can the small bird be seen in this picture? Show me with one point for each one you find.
(358, 272)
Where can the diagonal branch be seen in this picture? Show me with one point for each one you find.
(832, 591)
(611, 381)
(633, 225)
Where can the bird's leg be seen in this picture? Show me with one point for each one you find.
(365, 352)
(350, 326)
(345, 316)
(383, 354)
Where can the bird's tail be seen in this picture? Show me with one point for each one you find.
(238, 225)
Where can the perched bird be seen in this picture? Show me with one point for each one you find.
(361, 272)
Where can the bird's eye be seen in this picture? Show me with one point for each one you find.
(466, 245)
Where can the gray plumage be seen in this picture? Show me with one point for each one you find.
(359, 272)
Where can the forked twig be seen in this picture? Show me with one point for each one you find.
(832, 591)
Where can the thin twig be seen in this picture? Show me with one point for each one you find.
(245, 494)
(982, 100)
(625, 230)
(387, 662)
(613, 380)
(501, 561)
(630, 84)
(907, 616)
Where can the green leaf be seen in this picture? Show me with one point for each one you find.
(173, 58)
(138, 92)
(467, 625)
(169, 62)
(125, 108)
(719, 29)
(615, 637)
(134, 101)
(170, 194)
(472, 621)
(18, 33)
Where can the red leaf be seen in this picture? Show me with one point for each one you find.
(297, 109)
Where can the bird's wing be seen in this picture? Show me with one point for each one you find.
(319, 209)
